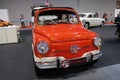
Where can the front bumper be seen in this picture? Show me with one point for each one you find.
(61, 62)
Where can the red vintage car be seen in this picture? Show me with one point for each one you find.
(60, 40)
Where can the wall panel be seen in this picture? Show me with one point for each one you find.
(17, 7)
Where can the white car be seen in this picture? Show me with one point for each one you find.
(91, 19)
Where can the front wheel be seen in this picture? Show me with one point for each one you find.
(95, 61)
(92, 62)
(86, 25)
(102, 24)
(119, 35)
(37, 70)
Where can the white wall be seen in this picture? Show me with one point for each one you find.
(117, 12)
(0, 4)
(4, 14)
(100, 6)
(16, 7)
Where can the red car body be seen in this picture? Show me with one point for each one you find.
(60, 44)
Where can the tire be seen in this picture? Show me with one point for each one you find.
(94, 62)
(37, 70)
(102, 24)
(86, 25)
(119, 35)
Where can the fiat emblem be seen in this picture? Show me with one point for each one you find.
(74, 49)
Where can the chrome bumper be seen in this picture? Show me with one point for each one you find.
(61, 62)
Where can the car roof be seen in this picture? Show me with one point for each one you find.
(38, 8)
(52, 7)
(58, 8)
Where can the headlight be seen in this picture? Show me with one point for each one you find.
(42, 47)
(97, 41)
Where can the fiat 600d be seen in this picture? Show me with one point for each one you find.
(60, 40)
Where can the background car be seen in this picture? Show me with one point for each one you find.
(91, 19)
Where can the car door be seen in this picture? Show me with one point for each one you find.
(97, 20)
(92, 20)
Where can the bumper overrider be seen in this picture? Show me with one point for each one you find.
(61, 62)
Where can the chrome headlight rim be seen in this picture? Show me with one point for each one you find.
(42, 47)
(97, 41)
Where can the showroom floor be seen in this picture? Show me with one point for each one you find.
(16, 61)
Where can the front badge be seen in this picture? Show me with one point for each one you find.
(74, 49)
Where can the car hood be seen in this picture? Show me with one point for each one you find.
(64, 32)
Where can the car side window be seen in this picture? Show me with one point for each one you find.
(94, 16)
(90, 16)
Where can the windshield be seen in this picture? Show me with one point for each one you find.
(51, 17)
